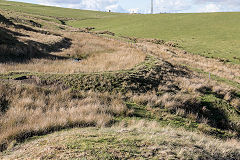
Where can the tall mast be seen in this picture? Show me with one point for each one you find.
(151, 6)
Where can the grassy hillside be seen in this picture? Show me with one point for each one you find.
(116, 90)
(208, 34)
(52, 11)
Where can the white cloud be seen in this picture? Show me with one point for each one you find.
(210, 8)
(99, 5)
(171, 5)
(218, 5)
(176, 6)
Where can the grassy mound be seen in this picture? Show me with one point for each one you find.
(137, 140)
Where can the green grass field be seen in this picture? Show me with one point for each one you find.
(214, 35)
(209, 34)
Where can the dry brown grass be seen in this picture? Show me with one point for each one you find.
(102, 54)
(170, 101)
(197, 86)
(103, 62)
(28, 110)
(95, 53)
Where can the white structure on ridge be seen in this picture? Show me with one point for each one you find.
(151, 6)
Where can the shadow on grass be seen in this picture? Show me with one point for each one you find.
(5, 20)
(13, 50)
(4, 103)
(215, 109)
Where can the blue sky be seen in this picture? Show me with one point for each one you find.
(143, 6)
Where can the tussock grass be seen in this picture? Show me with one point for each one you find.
(27, 111)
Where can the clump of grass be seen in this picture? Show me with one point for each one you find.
(33, 111)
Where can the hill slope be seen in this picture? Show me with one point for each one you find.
(55, 77)
(209, 34)
(214, 35)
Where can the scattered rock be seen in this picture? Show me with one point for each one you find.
(171, 52)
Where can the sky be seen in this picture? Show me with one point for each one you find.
(144, 6)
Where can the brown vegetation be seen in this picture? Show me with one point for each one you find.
(88, 53)
(28, 110)
(36, 50)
